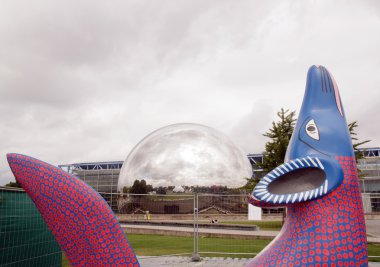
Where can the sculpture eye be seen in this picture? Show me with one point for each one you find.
(312, 130)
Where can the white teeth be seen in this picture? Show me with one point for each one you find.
(312, 161)
(287, 200)
(320, 190)
(316, 192)
(306, 195)
(260, 190)
(263, 182)
(311, 194)
(326, 184)
(308, 164)
(267, 179)
(271, 176)
(286, 169)
(275, 199)
(279, 169)
(265, 196)
(281, 199)
(301, 196)
(269, 198)
(294, 197)
(290, 166)
(300, 162)
(295, 164)
(261, 186)
(276, 172)
(320, 164)
(262, 193)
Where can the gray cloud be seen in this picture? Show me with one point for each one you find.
(86, 80)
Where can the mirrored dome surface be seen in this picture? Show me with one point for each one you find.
(186, 154)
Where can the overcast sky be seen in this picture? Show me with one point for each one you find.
(85, 81)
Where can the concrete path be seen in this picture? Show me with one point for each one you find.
(186, 261)
(175, 261)
(187, 231)
(206, 262)
(373, 227)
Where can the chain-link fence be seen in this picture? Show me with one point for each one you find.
(371, 204)
(198, 225)
(218, 224)
(211, 224)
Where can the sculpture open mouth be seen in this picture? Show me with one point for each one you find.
(299, 180)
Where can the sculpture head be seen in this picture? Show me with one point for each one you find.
(321, 134)
(321, 129)
(318, 183)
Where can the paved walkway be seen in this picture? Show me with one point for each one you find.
(206, 262)
(182, 261)
(186, 261)
(373, 227)
(129, 228)
(172, 230)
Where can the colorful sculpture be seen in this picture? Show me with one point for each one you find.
(81, 221)
(318, 183)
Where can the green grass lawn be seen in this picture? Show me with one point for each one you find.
(155, 245)
(264, 225)
(65, 261)
(374, 250)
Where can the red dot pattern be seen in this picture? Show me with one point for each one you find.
(329, 231)
(79, 218)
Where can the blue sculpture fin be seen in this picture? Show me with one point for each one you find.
(299, 180)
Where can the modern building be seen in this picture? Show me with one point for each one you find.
(370, 170)
(370, 182)
(254, 159)
(102, 176)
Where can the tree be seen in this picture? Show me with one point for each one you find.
(356, 144)
(149, 188)
(280, 135)
(161, 191)
(13, 184)
(138, 187)
(275, 149)
(355, 141)
(250, 184)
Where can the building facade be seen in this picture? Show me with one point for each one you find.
(102, 176)
(370, 170)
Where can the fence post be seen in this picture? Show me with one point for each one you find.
(195, 256)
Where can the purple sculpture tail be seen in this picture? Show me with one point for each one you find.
(79, 218)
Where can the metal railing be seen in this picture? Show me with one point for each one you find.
(217, 224)
(207, 224)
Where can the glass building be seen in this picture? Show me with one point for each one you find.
(102, 176)
(370, 170)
